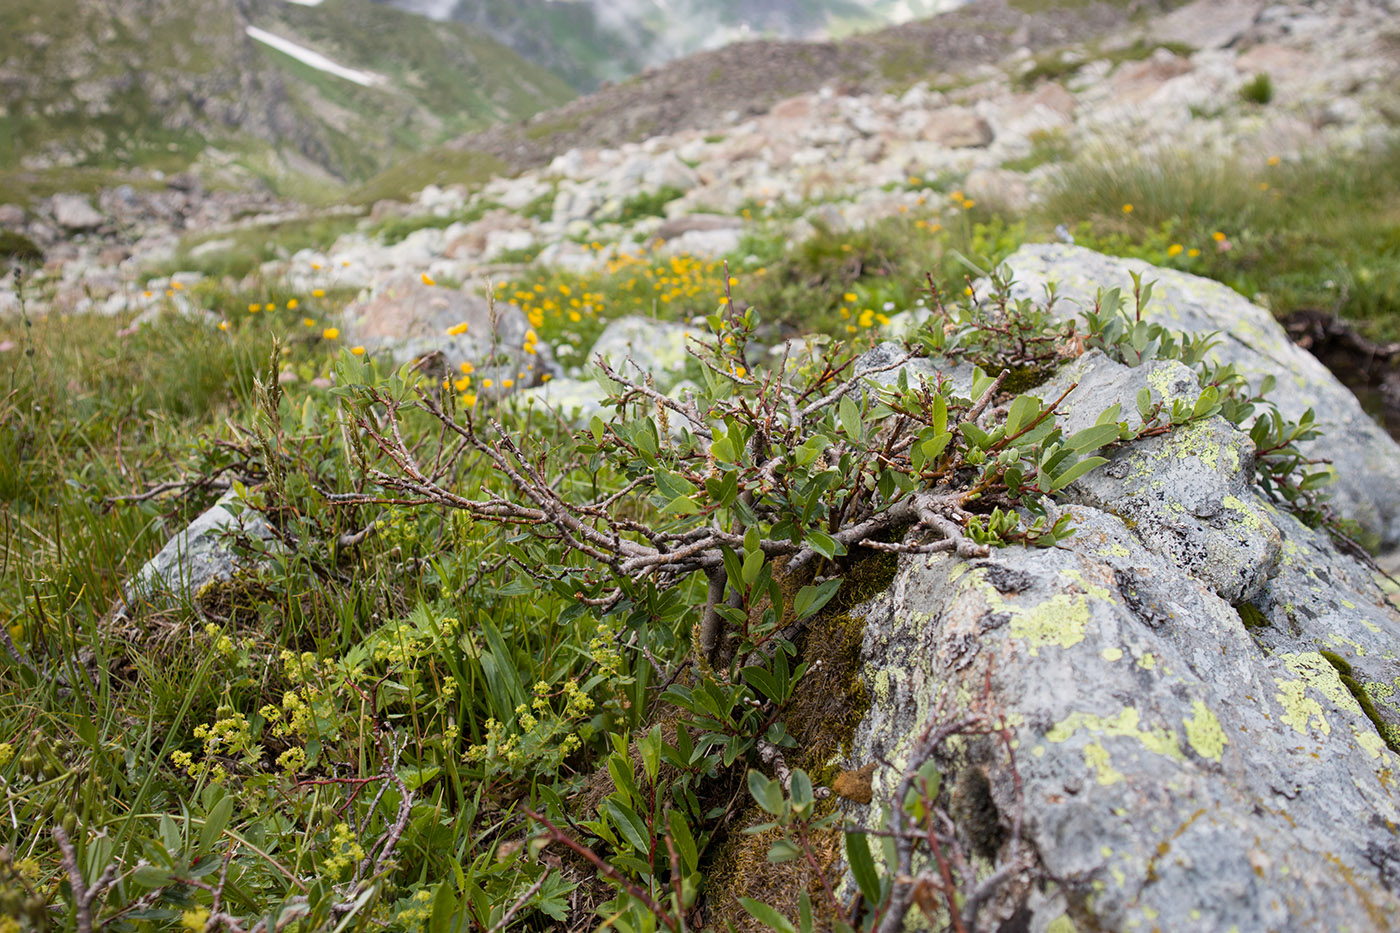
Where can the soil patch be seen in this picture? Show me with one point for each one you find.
(1370, 370)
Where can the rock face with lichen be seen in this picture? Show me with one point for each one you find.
(1367, 489)
(1201, 691)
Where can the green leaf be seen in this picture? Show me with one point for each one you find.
(673, 485)
(978, 438)
(849, 412)
(629, 824)
(214, 824)
(863, 866)
(1023, 411)
(1109, 415)
(801, 790)
(767, 915)
(810, 599)
(682, 505)
(766, 792)
(1092, 438)
(650, 749)
(171, 836)
(940, 414)
(753, 563)
(444, 906)
(935, 445)
(783, 850)
(1144, 402)
(823, 543)
(149, 876)
(683, 839)
(1076, 471)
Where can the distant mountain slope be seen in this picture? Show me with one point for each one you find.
(705, 90)
(589, 42)
(344, 86)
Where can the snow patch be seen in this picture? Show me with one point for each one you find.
(315, 59)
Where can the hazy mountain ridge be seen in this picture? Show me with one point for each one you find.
(591, 42)
(119, 84)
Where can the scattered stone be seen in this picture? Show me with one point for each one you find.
(205, 553)
(408, 320)
(957, 128)
(75, 213)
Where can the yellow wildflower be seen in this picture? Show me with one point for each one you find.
(427, 280)
(292, 305)
(223, 325)
(318, 293)
(358, 351)
(331, 333)
(308, 322)
(1174, 249)
(1127, 208)
(456, 329)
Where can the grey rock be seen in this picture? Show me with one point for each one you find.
(11, 216)
(408, 320)
(689, 223)
(1174, 774)
(203, 554)
(75, 212)
(638, 347)
(1207, 24)
(1363, 455)
(957, 128)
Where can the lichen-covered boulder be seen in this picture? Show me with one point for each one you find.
(1175, 774)
(1367, 488)
(1187, 494)
(1199, 690)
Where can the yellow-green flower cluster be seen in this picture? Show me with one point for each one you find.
(419, 909)
(602, 648)
(7, 753)
(195, 919)
(345, 851)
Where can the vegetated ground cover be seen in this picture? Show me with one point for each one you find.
(252, 726)
(355, 735)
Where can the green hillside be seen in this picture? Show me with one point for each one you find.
(103, 86)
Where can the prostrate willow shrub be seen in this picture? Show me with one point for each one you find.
(508, 674)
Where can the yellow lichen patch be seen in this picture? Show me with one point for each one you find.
(1203, 732)
(1060, 620)
(1125, 724)
(1096, 757)
(1148, 661)
(1313, 670)
(1162, 379)
(1194, 440)
(1299, 709)
(1112, 654)
(1247, 514)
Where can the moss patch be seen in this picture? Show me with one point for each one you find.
(830, 701)
(1388, 732)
